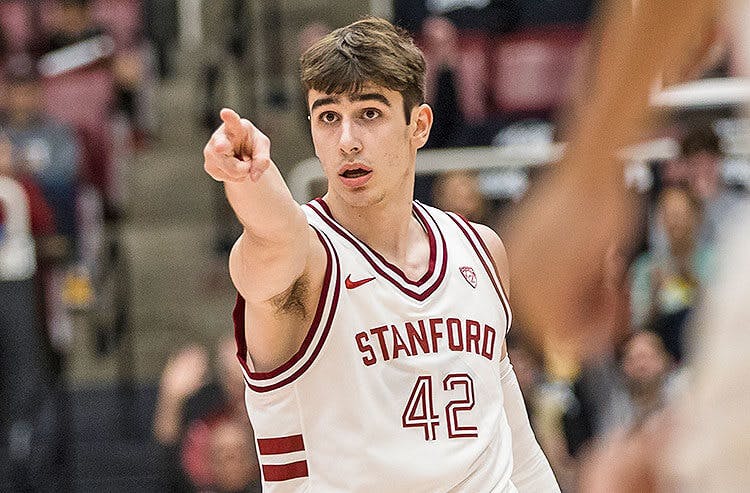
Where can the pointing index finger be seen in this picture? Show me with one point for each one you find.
(232, 124)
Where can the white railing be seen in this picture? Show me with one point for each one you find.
(699, 96)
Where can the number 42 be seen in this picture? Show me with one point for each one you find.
(420, 409)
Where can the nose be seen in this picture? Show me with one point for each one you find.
(349, 141)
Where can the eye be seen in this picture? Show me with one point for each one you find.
(370, 114)
(328, 117)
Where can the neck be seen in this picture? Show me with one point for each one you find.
(387, 227)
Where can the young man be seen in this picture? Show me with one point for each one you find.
(370, 327)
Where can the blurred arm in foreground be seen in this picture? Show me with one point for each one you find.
(559, 237)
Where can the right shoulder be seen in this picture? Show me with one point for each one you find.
(277, 314)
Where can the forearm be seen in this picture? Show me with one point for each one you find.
(273, 249)
(266, 208)
(531, 471)
(167, 420)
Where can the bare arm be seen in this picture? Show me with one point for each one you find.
(277, 248)
(574, 216)
(273, 249)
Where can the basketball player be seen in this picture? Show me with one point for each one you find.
(370, 327)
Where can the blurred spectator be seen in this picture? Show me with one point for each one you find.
(458, 191)
(195, 417)
(41, 217)
(637, 445)
(19, 258)
(609, 399)
(647, 369)
(49, 148)
(309, 34)
(49, 151)
(72, 24)
(440, 44)
(24, 380)
(666, 285)
(51, 249)
(699, 167)
(545, 402)
(232, 458)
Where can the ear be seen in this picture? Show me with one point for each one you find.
(422, 123)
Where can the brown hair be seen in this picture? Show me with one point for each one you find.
(371, 50)
(700, 138)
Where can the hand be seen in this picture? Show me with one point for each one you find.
(184, 373)
(237, 150)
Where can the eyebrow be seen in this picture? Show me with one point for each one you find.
(322, 102)
(368, 96)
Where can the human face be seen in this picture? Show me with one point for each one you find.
(679, 216)
(645, 363)
(24, 101)
(233, 460)
(365, 145)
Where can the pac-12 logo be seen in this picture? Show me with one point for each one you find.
(469, 275)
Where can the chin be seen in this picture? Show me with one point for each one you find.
(362, 198)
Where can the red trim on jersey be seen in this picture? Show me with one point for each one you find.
(369, 254)
(283, 472)
(239, 329)
(238, 319)
(313, 327)
(489, 254)
(492, 273)
(281, 445)
(395, 268)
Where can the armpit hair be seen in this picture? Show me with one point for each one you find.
(293, 299)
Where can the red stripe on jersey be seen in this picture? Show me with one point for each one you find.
(371, 255)
(280, 445)
(257, 384)
(489, 254)
(238, 317)
(490, 269)
(238, 314)
(284, 472)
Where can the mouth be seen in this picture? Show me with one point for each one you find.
(355, 175)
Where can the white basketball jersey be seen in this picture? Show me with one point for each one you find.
(396, 387)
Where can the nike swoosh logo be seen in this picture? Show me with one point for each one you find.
(355, 284)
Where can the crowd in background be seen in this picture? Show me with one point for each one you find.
(76, 80)
(499, 73)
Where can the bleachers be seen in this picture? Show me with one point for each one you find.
(504, 78)
(532, 70)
